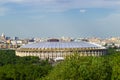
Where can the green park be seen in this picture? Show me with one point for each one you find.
(75, 67)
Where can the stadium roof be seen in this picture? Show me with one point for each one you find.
(62, 45)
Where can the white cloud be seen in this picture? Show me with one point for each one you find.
(63, 5)
(72, 3)
(82, 10)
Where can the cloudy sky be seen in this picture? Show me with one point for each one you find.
(56, 18)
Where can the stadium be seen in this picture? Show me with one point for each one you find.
(59, 50)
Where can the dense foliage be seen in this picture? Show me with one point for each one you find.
(75, 67)
(87, 68)
(21, 68)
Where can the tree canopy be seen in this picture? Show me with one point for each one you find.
(74, 67)
(87, 68)
(13, 67)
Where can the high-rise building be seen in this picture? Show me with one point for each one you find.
(2, 36)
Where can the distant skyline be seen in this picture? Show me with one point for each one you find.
(57, 18)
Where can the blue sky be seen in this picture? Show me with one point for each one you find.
(57, 18)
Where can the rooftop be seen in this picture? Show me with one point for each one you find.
(62, 45)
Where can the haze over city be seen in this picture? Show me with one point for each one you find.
(56, 18)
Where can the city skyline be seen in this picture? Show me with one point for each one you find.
(56, 18)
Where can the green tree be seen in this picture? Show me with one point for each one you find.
(81, 68)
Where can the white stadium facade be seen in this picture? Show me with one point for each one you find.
(59, 50)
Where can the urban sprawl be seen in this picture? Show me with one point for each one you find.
(16, 42)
